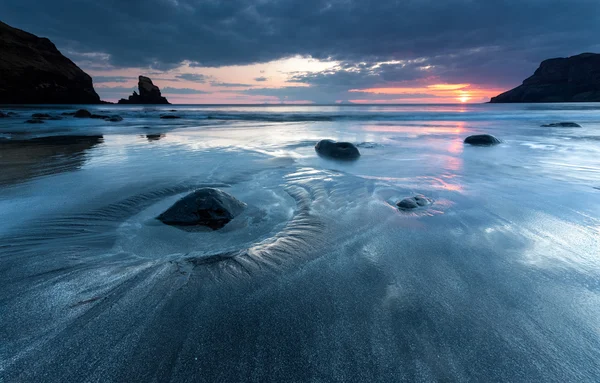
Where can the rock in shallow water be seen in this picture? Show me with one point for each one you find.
(414, 202)
(208, 207)
(562, 125)
(82, 113)
(169, 117)
(337, 150)
(482, 140)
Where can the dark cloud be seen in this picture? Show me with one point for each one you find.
(194, 77)
(103, 79)
(260, 79)
(463, 39)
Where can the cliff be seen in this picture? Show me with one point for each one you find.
(572, 79)
(33, 71)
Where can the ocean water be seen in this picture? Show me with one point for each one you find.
(322, 278)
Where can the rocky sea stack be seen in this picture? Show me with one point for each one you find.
(149, 94)
(573, 79)
(33, 71)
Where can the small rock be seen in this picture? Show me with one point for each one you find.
(414, 202)
(82, 113)
(482, 140)
(169, 117)
(114, 118)
(562, 125)
(208, 207)
(154, 137)
(337, 150)
(34, 121)
(41, 115)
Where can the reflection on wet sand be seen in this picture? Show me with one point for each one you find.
(21, 160)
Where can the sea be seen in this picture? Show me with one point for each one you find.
(322, 278)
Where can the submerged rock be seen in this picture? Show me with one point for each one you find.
(414, 202)
(41, 115)
(34, 121)
(482, 140)
(82, 113)
(337, 150)
(208, 207)
(169, 117)
(562, 125)
(3, 115)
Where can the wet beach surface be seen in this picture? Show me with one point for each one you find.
(322, 278)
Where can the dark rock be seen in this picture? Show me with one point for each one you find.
(414, 202)
(337, 150)
(68, 114)
(482, 140)
(208, 207)
(149, 94)
(114, 118)
(33, 71)
(562, 125)
(169, 117)
(3, 115)
(82, 113)
(41, 115)
(154, 137)
(572, 79)
(34, 121)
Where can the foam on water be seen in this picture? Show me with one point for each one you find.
(322, 278)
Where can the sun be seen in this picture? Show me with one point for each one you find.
(464, 98)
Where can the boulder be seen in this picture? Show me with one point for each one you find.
(562, 125)
(82, 113)
(33, 71)
(482, 140)
(208, 207)
(169, 117)
(149, 94)
(572, 79)
(337, 150)
(414, 202)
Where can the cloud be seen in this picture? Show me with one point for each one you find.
(169, 90)
(260, 79)
(375, 42)
(194, 77)
(230, 84)
(103, 79)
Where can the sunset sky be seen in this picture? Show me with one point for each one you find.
(311, 51)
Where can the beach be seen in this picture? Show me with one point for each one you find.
(322, 278)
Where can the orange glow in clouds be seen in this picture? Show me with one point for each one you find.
(448, 93)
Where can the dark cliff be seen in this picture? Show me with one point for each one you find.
(33, 71)
(149, 94)
(573, 79)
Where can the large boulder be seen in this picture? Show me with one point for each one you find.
(572, 79)
(482, 140)
(208, 207)
(337, 150)
(149, 94)
(33, 71)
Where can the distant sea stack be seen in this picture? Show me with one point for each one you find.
(573, 79)
(33, 71)
(149, 94)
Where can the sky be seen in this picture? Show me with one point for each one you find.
(311, 51)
